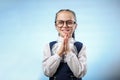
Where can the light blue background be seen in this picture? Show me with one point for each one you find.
(27, 25)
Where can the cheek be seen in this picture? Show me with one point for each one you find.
(72, 30)
(58, 30)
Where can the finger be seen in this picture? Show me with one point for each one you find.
(65, 38)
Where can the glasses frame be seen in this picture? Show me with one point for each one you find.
(61, 23)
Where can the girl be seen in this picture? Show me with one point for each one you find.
(65, 59)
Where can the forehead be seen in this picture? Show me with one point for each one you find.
(65, 15)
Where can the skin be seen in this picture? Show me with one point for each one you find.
(65, 31)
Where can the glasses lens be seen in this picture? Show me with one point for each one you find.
(69, 23)
(59, 23)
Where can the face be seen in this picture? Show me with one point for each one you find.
(65, 23)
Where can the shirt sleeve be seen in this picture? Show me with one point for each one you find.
(50, 62)
(77, 64)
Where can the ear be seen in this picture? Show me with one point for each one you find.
(75, 26)
(55, 25)
(56, 28)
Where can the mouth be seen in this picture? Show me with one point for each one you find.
(66, 31)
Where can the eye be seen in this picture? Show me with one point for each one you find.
(70, 22)
(60, 22)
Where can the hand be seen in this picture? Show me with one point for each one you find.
(66, 38)
(65, 46)
(62, 49)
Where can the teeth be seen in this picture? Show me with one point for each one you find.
(65, 31)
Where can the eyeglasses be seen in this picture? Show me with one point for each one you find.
(69, 23)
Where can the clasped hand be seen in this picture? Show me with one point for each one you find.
(64, 48)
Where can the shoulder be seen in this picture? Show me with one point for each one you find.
(78, 44)
(46, 46)
(52, 43)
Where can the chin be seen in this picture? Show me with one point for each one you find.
(62, 34)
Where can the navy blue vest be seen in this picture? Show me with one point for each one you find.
(63, 72)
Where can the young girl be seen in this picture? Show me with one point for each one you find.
(65, 58)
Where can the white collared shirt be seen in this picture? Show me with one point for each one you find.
(77, 64)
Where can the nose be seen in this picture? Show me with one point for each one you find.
(65, 24)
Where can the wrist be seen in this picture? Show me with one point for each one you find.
(59, 53)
